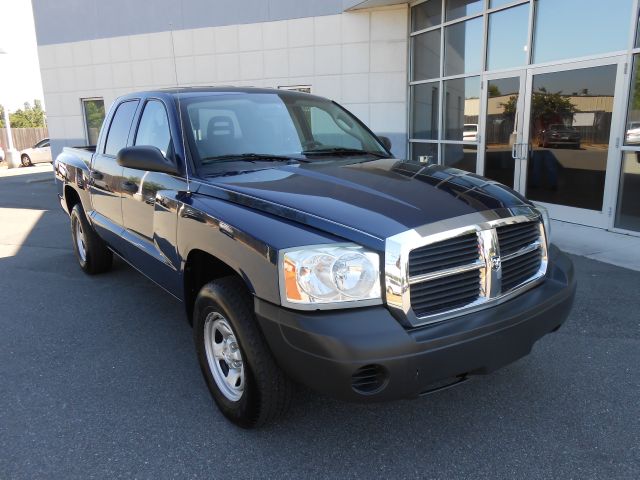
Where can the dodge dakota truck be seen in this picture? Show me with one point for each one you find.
(305, 253)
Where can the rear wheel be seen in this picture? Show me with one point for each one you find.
(25, 160)
(91, 251)
(240, 371)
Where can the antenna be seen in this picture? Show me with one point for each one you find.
(184, 143)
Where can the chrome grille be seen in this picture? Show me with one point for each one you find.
(514, 237)
(445, 293)
(519, 269)
(442, 255)
(433, 275)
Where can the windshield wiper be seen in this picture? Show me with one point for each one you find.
(343, 151)
(250, 157)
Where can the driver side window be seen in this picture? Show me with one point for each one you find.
(154, 128)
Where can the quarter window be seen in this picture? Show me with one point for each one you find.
(120, 126)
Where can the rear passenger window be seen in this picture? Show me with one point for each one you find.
(119, 129)
(154, 128)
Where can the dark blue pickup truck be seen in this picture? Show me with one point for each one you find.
(304, 252)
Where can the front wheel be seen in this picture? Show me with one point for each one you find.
(91, 251)
(240, 371)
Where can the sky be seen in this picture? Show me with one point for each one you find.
(19, 70)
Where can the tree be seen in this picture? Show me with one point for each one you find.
(29, 116)
(545, 106)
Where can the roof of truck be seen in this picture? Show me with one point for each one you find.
(185, 91)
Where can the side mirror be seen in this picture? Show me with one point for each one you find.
(385, 141)
(145, 157)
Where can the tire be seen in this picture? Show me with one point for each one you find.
(263, 393)
(25, 160)
(92, 253)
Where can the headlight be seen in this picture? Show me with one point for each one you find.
(544, 213)
(329, 276)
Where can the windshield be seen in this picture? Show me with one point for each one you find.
(223, 126)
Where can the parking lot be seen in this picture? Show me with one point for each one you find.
(99, 379)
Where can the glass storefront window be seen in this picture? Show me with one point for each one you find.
(576, 28)
(426, 14)
(424, 152)
(570, 126)
(628, 214)
(461, 107)
(501, 129)
(460, 156)
(425, 100)
(463, 47)
(426, 55)
(462, 8)
(632, 131)
(508, 38)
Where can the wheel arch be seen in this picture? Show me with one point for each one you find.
(200, 268)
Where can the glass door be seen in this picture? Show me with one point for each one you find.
(502, 144)
(570, 159)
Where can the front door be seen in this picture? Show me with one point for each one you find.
(501, 141)
(572, 139)
(548, 133)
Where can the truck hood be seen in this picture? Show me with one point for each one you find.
(377, 198)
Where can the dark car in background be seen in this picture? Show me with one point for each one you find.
(558, 134)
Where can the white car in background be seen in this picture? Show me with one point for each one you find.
(470, 132)
(633, 133)
(39, 153)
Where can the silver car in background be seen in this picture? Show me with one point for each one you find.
(39, 153)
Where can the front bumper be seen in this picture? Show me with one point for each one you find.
(324, 349)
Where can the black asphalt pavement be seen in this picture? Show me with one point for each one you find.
(99, 379)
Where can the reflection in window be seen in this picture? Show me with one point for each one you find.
(424, 152)
(426, 14)
(462, 8)
(508, 38)
(426, 55)
(461, 107)
(576, 28)
(628, 214)
(632, 132)
(425, 111)
(93, 110)
(500, 129)
(570, 125)
(460, 156)
(463, 47)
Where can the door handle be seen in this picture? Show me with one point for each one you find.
(96, 175)
(514, 151)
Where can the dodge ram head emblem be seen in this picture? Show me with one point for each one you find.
(496, 263)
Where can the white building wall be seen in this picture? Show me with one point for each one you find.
(358, 59)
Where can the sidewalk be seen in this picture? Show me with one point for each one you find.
(597, 244)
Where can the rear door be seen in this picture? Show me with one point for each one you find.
(106, 174)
